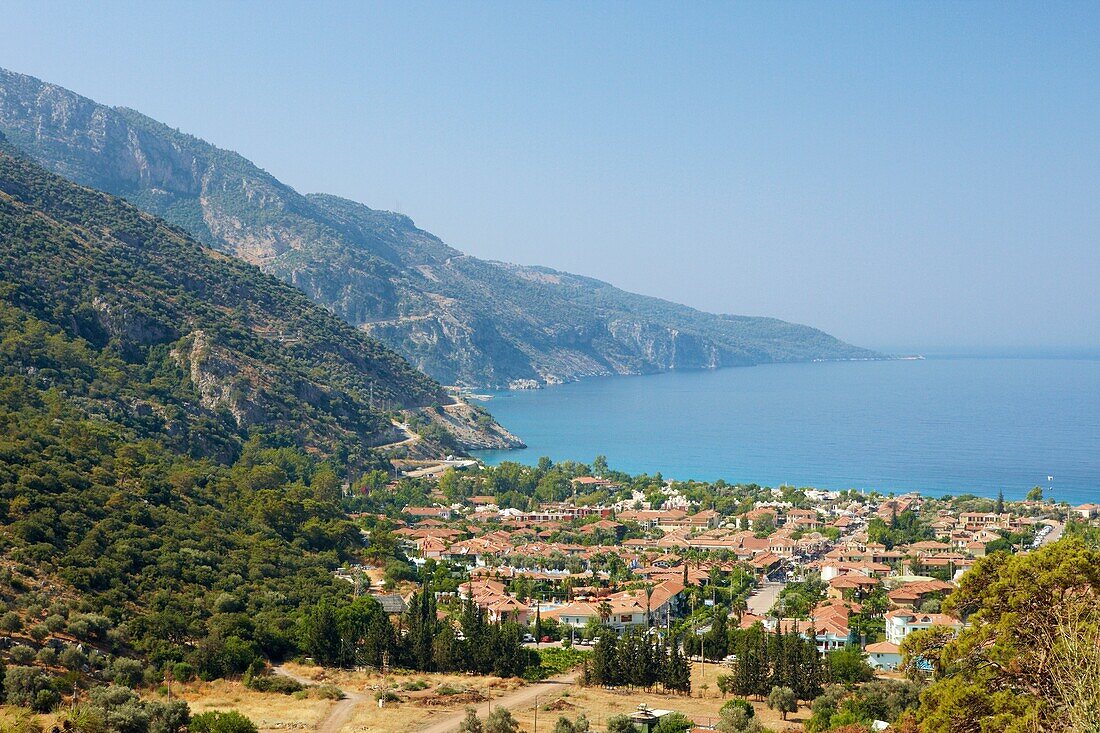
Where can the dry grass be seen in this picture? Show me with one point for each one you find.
(600, 704)
(269, 711)
(413, 710)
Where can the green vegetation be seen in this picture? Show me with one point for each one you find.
(798, 599)
(170, 470)
(766, 660)
(1030, 659)
(356, 632)
(839, 705)
(637, 659)
(556, 660)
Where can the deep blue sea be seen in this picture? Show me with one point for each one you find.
(936, 426)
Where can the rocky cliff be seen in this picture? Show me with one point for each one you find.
(460, 319)
(188, 342)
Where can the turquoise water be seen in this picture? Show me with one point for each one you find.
(936, 426)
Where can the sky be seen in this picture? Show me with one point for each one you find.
(917, 177)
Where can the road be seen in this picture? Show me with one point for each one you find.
(340, 713)
(1055, 533)
(518, 699)
(763, 599)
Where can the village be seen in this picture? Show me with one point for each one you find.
(839, 569)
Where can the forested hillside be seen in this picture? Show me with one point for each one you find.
(175, 432)
(196, 346)
(460, 319)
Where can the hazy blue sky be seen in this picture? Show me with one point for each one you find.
(909, 177)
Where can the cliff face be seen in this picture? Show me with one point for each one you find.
(460, 319)
(193, 344)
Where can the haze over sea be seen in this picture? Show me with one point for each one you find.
(942, 425)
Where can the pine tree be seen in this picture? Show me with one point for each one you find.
(322, 635)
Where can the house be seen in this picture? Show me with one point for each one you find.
(431, 547)
(902, 622)
(803, 519)
(1087, 511)
(424, 512)
(625, 609)
(852, 584)
(829, 625)
(499, 606)
(761, 516)
(912, 594)
(884, 656)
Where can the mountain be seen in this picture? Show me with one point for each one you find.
(461, 320)
(146, 328)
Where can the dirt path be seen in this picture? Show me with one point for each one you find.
(521, 698)
(340, 713)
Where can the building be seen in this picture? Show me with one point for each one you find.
(884, 656)
(903, 622)
(626, 609)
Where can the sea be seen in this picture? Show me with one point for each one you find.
(937, 425)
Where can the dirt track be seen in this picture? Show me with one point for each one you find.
(522, 697)
(340, 713)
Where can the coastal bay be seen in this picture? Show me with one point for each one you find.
(943, 425)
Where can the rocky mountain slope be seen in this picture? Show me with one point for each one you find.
(460, 319)
(145, 327)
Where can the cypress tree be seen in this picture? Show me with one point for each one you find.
(604, 659)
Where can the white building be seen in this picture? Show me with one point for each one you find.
(883, 655)
(903, 622)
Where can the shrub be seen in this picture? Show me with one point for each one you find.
(271, 683)
(674, 723)
(22, 654)
(742, 703)
(446, 689)
(620, 724)
(10, 622)
(328, 692)
(30, 688)
(126, 672)
(183, 672)
(73, 658)
(216, 721)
